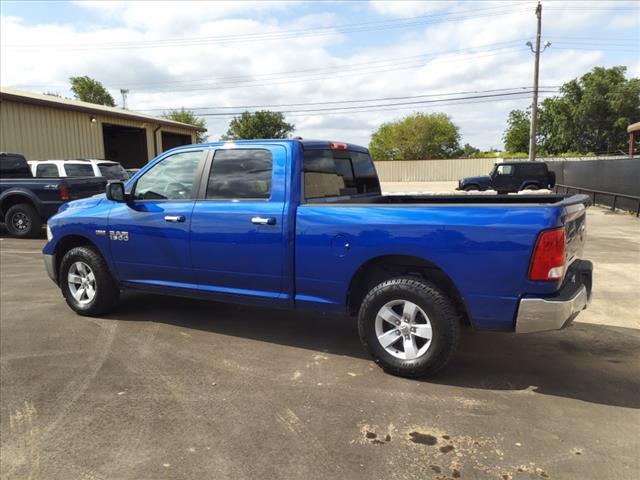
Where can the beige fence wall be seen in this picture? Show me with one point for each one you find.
(434, 170)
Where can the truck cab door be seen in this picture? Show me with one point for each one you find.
(239, 228)
(149, 235)
(503, 178)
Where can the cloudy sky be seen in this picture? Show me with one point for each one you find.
(339, 69)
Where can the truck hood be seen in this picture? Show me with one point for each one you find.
(481, 180)
(83, 202)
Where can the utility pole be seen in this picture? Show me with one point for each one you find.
(536, 70)
(534, 102)
(124, 92)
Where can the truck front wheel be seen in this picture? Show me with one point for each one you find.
(86, 283)
(409, 326)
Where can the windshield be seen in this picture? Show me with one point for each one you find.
(78, 170)
(113, 171)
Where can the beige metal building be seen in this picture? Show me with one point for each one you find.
(45, 127)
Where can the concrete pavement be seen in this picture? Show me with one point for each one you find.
(176, 388)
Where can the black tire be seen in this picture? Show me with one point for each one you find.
(503, 192)
(470, 188)
(531, 188)
(444, 319)
(22, 221)
(107, 293)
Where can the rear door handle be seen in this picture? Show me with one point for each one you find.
(263, 220)
(174, 218)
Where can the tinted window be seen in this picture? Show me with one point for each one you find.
(78, 170)
(113, 171)
(534, 169)
(331, 173)
(365, 173)
(14, 166)
(47, 170)
(171, 179)
(240, 173)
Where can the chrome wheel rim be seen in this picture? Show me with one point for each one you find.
(403, 329)
(82, 283)
(20, 221)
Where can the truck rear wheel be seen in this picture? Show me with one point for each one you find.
(409, 327)
(22, 221)
(86, 283)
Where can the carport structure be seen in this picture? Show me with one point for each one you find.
(43, 127)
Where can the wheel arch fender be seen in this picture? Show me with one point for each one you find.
(16, 196)
(529, 183)
(383, 267)
(73, 240)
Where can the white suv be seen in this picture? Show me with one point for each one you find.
(78, 168)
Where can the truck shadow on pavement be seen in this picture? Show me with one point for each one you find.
(593, 363)
(589, 362)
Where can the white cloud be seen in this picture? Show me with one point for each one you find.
(621, 22)
(211, 74)
(178, 16)
(409, 8)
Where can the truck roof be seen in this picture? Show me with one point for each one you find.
(306, 144)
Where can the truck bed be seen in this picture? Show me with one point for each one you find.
(459, 199)
(483, 243)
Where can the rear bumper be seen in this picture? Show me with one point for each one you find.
(554, 313)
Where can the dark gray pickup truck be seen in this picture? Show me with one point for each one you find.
(27, 202)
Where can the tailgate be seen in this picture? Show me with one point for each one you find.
(575, 226)
(82, 187)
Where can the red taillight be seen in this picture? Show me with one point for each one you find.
(338, 146)
(547, 262)
(65, 194)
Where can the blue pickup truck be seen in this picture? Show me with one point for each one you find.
(303, 224)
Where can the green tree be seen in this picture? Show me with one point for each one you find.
(257, 125)
(421, 136)
(591, 113)
(516, 136)
(469, 151)
(189, 117)
(90, 90)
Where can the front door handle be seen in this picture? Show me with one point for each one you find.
(174, 218)
(263, 220)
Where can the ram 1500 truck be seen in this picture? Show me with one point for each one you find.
(27, 202)
(303, 224)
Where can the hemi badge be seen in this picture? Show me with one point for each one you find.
(101, 232)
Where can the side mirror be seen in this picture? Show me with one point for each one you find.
(115, 191)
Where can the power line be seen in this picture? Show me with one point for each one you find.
(407, 65)
(414, 107)
(349, 108)
(355, 71)
(336, 102)
(346, 72)
(407, 22)
(383, 62)
(322, 73)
